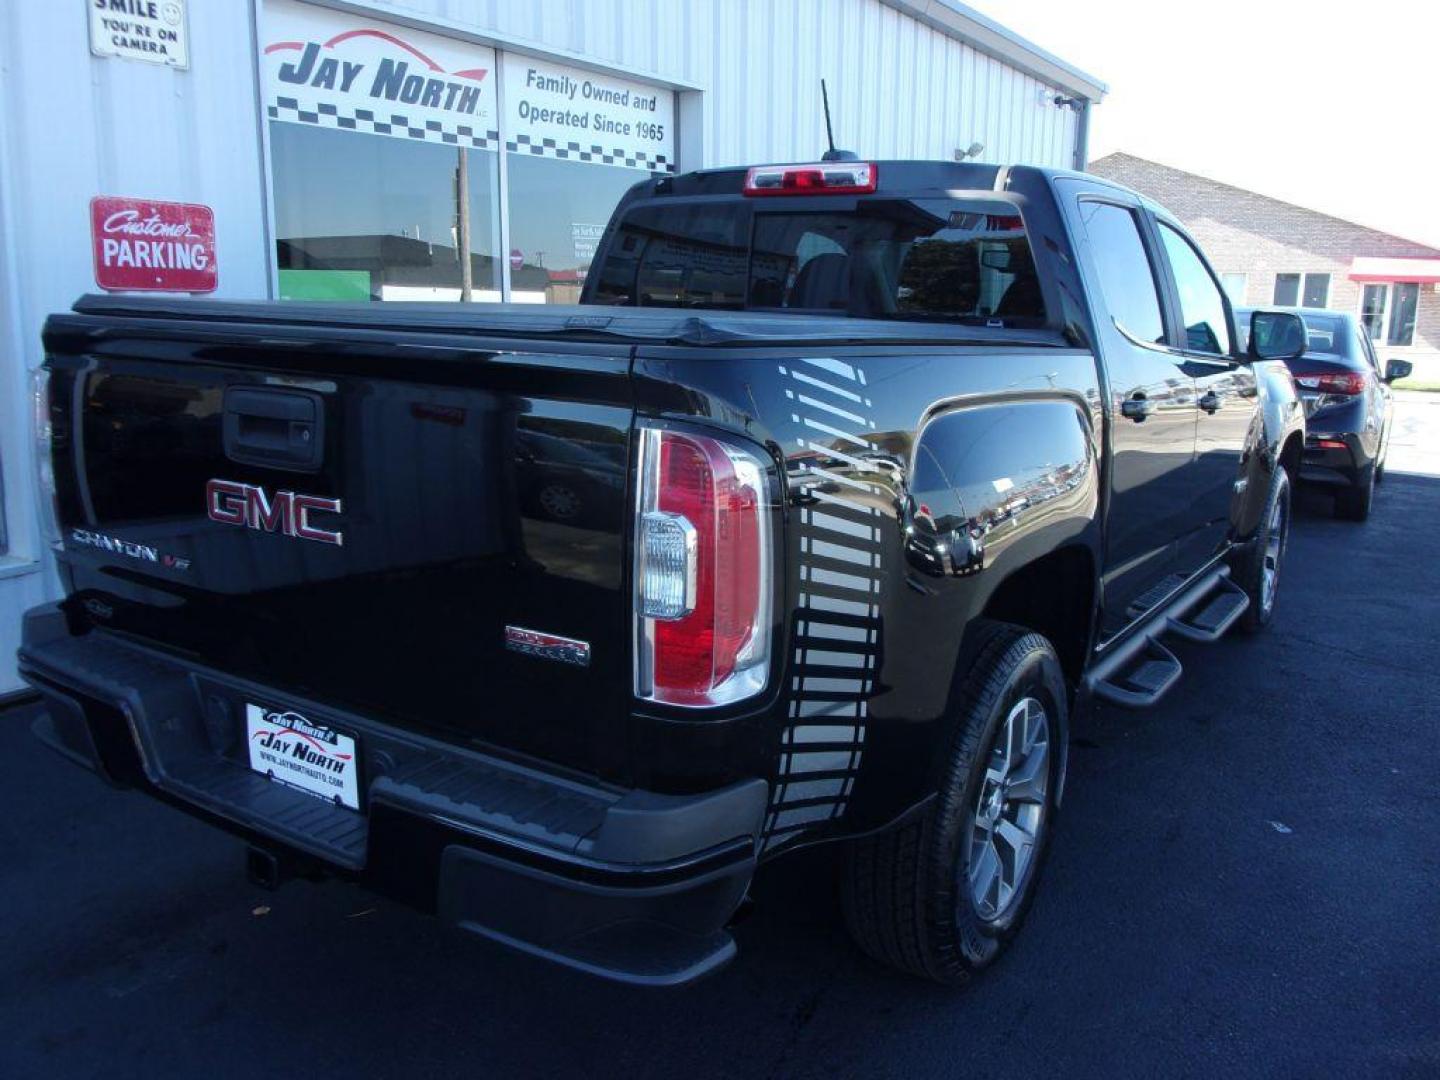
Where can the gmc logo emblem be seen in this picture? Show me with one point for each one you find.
(231, 503)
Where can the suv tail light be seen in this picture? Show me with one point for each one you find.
(44, 461)
(703, 554)
(1348, 383)
(825, 178)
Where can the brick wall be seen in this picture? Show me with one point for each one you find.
(1242, 232)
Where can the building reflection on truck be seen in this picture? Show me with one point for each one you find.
(956, 546)
(943, 543)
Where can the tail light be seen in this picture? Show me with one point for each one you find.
(703, 553)
(44, 461)
(826, 178)
(1347, 383)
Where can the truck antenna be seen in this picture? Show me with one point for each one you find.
(829, 132)
(832, 154)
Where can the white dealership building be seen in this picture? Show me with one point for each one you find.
(353, 149)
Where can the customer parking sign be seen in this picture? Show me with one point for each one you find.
(143, 244)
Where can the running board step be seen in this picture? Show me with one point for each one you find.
(1154, 596)
(1138, 671)
(1144, 679)
(1215, 612)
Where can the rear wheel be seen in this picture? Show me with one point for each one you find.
(1258, 569)
(941, 895)
(1353, 503)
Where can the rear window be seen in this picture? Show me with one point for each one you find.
(934, 259)
(1324, 334)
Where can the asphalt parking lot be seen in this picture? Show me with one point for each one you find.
(1245, 882)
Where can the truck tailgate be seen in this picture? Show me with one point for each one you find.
(359, 517)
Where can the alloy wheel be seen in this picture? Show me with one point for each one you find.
(1275, 533)
(1009, 812)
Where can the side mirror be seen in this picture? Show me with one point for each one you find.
(1276, 335)
(1398, 369)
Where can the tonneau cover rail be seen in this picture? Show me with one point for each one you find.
(569, 322)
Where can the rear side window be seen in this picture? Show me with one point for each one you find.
(1126, 277)
(1202, 308)
(932, 259)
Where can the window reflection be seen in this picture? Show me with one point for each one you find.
(1126, 278)
(360, 216)
(1202, 307)
(943, 259)
(558, 209)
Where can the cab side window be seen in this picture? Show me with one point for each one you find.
(1202, 307)
(1126, 277)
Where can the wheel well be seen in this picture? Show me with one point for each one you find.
(1291, 454)
(1054, 596)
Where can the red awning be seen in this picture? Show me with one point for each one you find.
(1368, 268)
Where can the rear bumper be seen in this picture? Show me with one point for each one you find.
(1332, 459)
(630, 885)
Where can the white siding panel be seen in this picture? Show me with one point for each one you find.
(898, 88)
(77, 126)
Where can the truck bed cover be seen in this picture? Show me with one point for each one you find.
(573, 322)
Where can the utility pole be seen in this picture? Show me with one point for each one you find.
(462, 198)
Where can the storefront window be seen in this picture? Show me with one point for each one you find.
(1402, 322)
(575, 142)
(558, 209)
(1389, 310)
(385, 151)
(1372, 310)
(365, 217)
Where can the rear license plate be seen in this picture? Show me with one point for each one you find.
(302, 754)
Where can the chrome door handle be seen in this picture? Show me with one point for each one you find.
(1137, 408)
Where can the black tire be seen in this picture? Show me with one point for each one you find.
(1353, 503)
(902, 891)
(1249, 569)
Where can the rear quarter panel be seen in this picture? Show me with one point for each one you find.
(1278, 416)
(912, 488)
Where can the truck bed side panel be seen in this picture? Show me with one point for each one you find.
(918, 480)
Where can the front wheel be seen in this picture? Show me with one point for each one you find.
(1259, 567)
(941, 895)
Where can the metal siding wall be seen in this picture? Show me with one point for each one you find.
(75, 126)
(898, 87)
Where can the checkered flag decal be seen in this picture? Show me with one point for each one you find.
(574, 151)
(397, 124)
(370, 122)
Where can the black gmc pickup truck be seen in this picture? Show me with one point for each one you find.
(844, 490)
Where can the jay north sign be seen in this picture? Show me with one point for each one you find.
(392, 80)
(336, 70)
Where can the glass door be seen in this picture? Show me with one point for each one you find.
(1373, 304)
